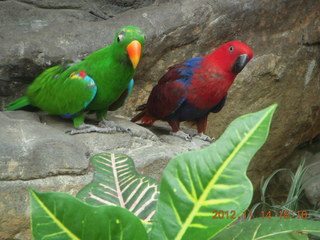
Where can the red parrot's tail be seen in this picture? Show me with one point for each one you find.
(138, 116)
(143, 116)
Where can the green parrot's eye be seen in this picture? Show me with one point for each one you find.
(120, 36)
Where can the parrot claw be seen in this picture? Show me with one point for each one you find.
(113, 126)
(87, 128)
(182, 135)
(84, 128)
(204, 137)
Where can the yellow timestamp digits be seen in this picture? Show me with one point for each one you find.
(262, 214)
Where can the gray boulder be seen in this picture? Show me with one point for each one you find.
(31, 150)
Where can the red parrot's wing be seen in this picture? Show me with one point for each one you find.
(171, 90)
(172, 74)
(165, 98)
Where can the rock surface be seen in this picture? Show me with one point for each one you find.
(35, 152)
(35, 35)
(310, 153)
(31, 150)
(312, 190)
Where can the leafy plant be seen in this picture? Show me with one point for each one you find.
(272, 228)
(117, 183)
(292, 203)
(213, 179)
(195, 185)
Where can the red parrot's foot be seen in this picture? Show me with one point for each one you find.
(182, 135)
(204, 137)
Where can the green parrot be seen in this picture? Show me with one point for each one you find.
(99, 83)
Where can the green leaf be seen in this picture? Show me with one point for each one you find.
(197, 183)
(117, 183)
(271, 228)
(62, 216)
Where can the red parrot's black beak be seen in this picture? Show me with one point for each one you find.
(240, 63)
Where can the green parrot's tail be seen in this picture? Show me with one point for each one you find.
(19, 103)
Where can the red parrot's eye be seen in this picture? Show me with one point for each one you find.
(231, 49)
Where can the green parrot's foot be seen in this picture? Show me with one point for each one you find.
(182, 135)
(87, 128)
(113, 127)
(204, 137)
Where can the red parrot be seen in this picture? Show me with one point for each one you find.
(189, 91)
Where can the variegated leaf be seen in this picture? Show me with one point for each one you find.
(197, 183)
(117, 183)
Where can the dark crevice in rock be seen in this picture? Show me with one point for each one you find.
(100, 16)
(47, 5)
(311, 44)
(314, 141)
(51, 175)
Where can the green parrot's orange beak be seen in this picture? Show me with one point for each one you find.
(134, 52)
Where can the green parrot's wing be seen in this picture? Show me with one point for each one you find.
(62, 92)
(120, 101)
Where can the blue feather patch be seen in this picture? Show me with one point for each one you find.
(67, 115)
(131, 83)
(187, 69)
(92, 87)
(187, 112)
